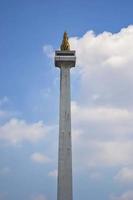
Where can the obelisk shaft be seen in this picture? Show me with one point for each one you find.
(65, 149)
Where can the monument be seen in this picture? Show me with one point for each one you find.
(65, 59)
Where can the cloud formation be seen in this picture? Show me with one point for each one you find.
(106, 134)
(125, 175)
(16, 131)
(53, 173)
(126, 196)
(105, 64)
(104, 113)
(40, 158)
(39, 197)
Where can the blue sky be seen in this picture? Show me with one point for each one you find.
(101, 32)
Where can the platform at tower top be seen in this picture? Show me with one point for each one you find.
(65, 58)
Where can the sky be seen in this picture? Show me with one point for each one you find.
(101, 32)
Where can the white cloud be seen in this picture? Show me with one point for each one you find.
(104, 113)
(105, 49)
(92, 153)
(126, 196)
(105, 133)
(125, 175)
(16, 131)
(39, 197)
(40, 158)
(53, 173)
(114, 153)
(48, 50)
(100, 113)
(106, 67)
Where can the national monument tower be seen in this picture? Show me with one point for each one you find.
(65, 59)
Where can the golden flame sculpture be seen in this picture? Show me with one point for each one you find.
(65, 46)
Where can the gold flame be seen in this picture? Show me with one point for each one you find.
(65, 46)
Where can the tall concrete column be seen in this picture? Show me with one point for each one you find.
(65, 150)
(65, 59)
